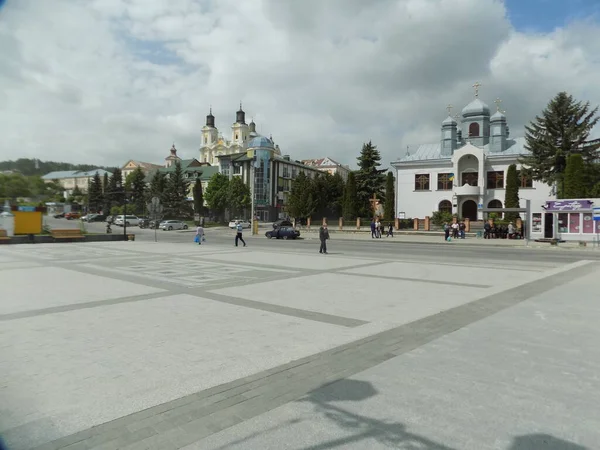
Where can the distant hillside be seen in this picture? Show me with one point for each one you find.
(28, 166)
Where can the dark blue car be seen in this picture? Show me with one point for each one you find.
(283, 233)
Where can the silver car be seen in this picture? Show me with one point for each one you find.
(168, 225)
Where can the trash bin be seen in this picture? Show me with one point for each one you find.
(479, 234)
(131, 237)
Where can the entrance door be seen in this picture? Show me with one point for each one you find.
(548, 225)
(469, 210)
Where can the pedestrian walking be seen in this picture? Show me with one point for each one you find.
(446, 231)
(390, 230)
(323, 237)
(199, 234)
(238, 237)
(373, 232)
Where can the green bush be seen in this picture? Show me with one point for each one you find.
(440, 217)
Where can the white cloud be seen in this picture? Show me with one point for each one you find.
(108, 80)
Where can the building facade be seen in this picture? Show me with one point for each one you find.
(69, 179)
(328, 165)
(466, 171)
(267, 172)
(131, 165)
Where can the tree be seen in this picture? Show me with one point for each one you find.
(176, 193)
(301, 202)
(116, 191)
(390, 198)
(217, 194)
(563, 129)
(336, 188)
(105, 194)
(95, 196)
(137, 188)
(198, 198)
(575, 185)
(511, 194)
(238, 196)
(158, 185)
(369, 178)
(76, 195)
(351, 202)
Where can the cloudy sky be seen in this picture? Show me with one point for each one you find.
(104, 81)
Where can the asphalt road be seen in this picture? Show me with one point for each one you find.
(386, 249)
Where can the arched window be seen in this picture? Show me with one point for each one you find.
(474, 129)
(445, 206)
(496, 204)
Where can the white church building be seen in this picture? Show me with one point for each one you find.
(466, 170)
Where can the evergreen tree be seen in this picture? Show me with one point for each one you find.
(138, 190)
(575, 177)
(198, 198)
(511, 193)
(239, 196)
(76, 195)
(301, 202)
(351, 204)
(217, 194)
(95, 195)
(116, 190)
(563, 129)
(369, 178)
(390, 198)
(106, 204)
(158, 186)
(176, 194)
(336, 191)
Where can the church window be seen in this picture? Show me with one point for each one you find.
(205, 139)
(469, 178)
(236, 136)
(495, 180)
(525, 180)
(445, 206)
(474, 129)
(496, 204)
(422, 182)
(444, 182)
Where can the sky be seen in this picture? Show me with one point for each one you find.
(105, 81)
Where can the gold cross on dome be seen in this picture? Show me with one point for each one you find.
(477, 86)
(497, 102)
(449, 109)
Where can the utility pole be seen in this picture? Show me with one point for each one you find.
(252, 193)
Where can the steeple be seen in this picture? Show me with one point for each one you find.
(449, 138)
(210, 119)
(240, 116)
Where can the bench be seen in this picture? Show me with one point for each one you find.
(4, 235)
(73, 233)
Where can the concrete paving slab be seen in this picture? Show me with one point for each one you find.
(365, 298)
(525, 378)
(131, 356)
(28, 289)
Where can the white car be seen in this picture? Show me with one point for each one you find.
(130, 221)
(245, 224)
(168, 225)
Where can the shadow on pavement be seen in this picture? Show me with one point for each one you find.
(543, 442)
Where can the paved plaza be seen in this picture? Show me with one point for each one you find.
(142, 345)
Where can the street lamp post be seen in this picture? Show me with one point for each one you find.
(121, 188)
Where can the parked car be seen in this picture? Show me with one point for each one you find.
(72, 215)
(283, 233)
(173, 225)
(154, 224)
(96, 218)
(245, 223)
(144, 222)
(59, 215)
(128, 220)
(282, 223)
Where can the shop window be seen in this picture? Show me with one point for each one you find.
(444, 182)
(563, 222)
(574, 223)
(495, 180)
(588, 223)
(422, 182)
(536, 225)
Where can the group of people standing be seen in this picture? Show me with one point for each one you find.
(377, 229)
(455, 230)
(494, 231)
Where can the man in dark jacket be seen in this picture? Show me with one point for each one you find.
(323, 236)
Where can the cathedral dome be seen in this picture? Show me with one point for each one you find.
(476, 108)
(498, 117)
(449, 121)
(260, 141)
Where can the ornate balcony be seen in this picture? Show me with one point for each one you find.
(468, 190)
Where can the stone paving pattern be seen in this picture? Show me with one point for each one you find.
(163, 346)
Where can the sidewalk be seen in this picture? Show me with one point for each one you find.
(415, 237)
